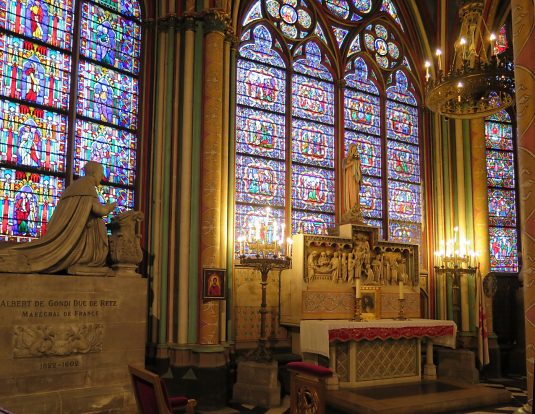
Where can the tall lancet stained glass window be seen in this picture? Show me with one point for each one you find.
(61, 106)
(260, 131)
(502, 195)
(332, 74)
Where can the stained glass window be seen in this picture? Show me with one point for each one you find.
(312, 140)
(362, 115)
(260, 131)
(310, 83)
(502, 195)
(37, 64)
(403, 154)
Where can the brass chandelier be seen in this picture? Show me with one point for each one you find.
(475, 85)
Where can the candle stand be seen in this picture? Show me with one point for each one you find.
(264, 265)
(454, 274)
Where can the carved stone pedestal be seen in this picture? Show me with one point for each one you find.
(66, 342)
(257, 384)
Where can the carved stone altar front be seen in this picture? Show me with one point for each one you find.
(321, 283)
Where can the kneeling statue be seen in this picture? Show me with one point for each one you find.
(76, 240)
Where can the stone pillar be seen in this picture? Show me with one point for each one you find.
(460, 208)
(185, 181)
(523, 14)
(480, 203)
(211, 166)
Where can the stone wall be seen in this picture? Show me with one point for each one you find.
(66, 342)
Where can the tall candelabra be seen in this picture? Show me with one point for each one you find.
(453, 261)
(264, 265)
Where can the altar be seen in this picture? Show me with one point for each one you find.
(382, 351)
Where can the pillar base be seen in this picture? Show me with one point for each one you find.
(257, 384)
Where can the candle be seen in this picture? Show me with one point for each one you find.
(401, 293)
(463, 44)
(357, 288)
(289, 243)
(427, 75)
(439, 54)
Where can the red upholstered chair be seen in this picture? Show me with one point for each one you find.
(307, 389)
(151, 394)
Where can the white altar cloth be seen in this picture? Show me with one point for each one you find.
(315, 335)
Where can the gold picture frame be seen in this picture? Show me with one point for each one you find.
(371, 302)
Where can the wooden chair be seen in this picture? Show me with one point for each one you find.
(151, 394)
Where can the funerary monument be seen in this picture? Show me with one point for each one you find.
(73, 309)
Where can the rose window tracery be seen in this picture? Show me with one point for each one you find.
(383, 46)
(292, 17)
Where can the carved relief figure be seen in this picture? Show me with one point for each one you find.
(377, 268)
(311, 262)
(403, 276)
(350, 266)
(323, 262)
(344, 266)
(387, 276)
(335, 268)
(358, 262)
(370, 278)
(394, 270)
(76, 239)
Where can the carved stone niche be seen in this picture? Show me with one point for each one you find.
(125, 247)
(321, 283)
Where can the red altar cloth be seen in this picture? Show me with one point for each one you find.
(369, 334)
(316, 335)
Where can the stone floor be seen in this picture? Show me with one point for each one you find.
(515, 385)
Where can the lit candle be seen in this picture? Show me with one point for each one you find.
(289, 243)
(401, 293)
(439, 54)
(427, 66)
(357, 288)
(463, 44)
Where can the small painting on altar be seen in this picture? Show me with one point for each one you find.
(213, 284)
(370, 302)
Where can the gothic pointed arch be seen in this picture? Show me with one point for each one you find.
(347, 75)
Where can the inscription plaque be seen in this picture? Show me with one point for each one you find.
(66, 342)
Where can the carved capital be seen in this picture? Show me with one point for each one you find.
(216, 20)
(188, 22)
(171, 21)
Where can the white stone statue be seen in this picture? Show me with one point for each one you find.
(352, 183)
(76, 239)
